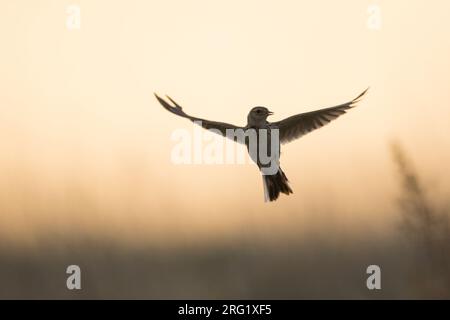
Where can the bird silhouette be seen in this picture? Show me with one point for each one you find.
(291, 128)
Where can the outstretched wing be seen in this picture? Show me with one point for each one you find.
(207, 124)
(296, 126)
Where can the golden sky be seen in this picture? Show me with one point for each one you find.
(85, 146)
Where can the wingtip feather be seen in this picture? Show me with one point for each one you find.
(175, 104)
(358, 98)
(158, 97)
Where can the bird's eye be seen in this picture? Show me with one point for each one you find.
(258, 111)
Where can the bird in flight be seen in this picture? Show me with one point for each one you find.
(287, 129)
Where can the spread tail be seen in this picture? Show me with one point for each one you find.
(274, 184)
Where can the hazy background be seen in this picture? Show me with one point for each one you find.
(86, 175)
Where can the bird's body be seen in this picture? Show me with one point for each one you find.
(263, 138)
(256, 120)
(274, 181)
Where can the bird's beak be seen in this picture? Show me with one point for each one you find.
(270, 113)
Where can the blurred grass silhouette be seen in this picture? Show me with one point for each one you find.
(426, 226)
(414, 262)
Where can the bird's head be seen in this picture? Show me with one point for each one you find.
(258, 115)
